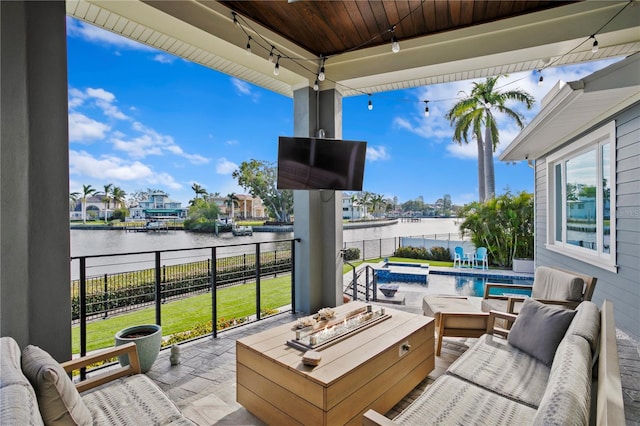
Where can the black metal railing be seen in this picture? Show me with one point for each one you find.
(159, 277)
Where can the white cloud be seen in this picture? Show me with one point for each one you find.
(232, 142)
(111, 168)
(164, 59)
(375, 153)
(94, 34)
(244, 89)
(85, 129)
(101, 94)
(225, 167)
(107, 167)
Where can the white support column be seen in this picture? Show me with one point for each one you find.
(318, 214)
(35, 307)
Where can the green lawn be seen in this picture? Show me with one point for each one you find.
(182, 315)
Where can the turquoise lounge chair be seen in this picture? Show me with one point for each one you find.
(481, 259)
(460, 257)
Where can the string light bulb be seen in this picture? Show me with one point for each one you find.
(321, 75)
(426, 108)
(594, 47)
(276, 69)
(395, 46)
(316, 86)
(272, 57)
(235, 20)
(370, 106)
(540, 81)
(248, 49)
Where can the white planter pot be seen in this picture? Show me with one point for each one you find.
(523, 266)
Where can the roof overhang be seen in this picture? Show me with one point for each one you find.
(202, 31)
(572, 108)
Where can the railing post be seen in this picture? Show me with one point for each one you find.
(293, 277)
(105, 298)
(258, 281)
(214, 292)
(158, 290)
(363, 244)
(83, 313)
(366, 283)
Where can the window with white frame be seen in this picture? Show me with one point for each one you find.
(581, 194)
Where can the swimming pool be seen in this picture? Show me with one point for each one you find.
(456, 283)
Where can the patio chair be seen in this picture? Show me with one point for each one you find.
(460, 257)
(481, 258)
(550, 286)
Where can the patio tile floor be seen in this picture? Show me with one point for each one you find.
(203, 385)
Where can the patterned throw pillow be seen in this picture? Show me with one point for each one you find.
(58, 399)
(539, 329)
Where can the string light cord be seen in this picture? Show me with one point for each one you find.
(300, 61)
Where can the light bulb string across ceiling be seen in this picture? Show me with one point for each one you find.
(277, 55)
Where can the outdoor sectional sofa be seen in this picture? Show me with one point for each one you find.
(36, 390)
(498, 382)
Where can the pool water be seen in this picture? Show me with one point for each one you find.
(460, 284)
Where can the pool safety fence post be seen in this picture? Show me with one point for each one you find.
(380, 245)
(366, 285)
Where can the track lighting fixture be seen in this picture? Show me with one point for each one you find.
(276, 69)
(594, 47)
(426, 108)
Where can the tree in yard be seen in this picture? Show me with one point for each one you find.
(140, 195)
(118, 195)
(87, 191)
(260, 177)
(377, 201)
(231, 201)
(199, 190)
(106, 200)
(474, 112)
(504, 225)
(73, 200)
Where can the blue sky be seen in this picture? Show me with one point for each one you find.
(140, 118)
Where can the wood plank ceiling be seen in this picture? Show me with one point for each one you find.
(333, 27)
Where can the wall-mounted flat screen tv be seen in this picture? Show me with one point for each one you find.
(313, 163)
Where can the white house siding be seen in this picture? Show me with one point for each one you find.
(623, 288)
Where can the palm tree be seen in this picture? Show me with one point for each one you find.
(106, 200)
(87, 190)
(73, 199)
(475, 111)
(118, 195)
(231, 201)
(377, 200)
(366, 196)
(199, 190)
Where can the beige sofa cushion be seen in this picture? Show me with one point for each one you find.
(18, 404)
(129, 400)
(59, 401)
(452, 401)
(568, 395)
(586, 324)
(553, 284)
(494, 364)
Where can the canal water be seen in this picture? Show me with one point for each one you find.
(101, 242)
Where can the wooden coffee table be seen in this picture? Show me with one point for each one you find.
(374, 368)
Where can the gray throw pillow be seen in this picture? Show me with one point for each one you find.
(539, 329)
